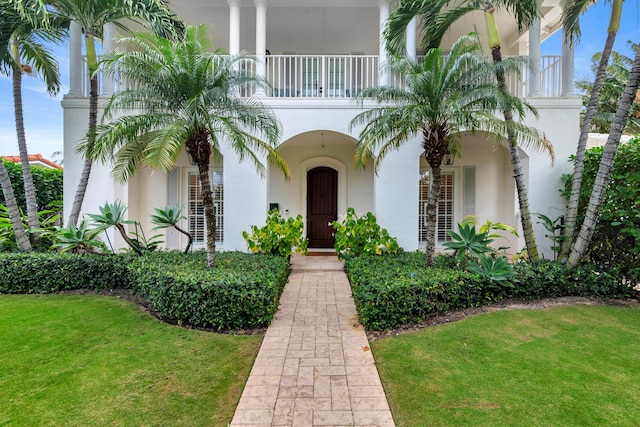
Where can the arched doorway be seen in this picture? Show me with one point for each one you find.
(322, 206)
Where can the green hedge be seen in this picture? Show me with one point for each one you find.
(52, 272)
(549, 279)
(243, 291)
(396, 290)
(48, 183)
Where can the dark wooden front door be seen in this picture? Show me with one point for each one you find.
(322, 206)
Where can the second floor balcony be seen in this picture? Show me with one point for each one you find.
(342, 76)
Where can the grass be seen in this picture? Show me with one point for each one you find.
(564, 366)
(97, 361)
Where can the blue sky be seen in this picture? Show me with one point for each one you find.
(43, 114)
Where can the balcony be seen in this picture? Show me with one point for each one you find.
(341, 76)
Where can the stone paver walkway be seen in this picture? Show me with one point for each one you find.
(314, 367)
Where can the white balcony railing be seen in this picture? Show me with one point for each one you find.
(341, 76)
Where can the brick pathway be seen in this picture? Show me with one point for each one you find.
(314, 367)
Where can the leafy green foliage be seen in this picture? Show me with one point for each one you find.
(468, 242)
(47, 182)
(242, 291)
(496, 270)
(27, 273)
(279, 236)
(551, 279)
(554, 228)
(170, 216)
(362, 236)
(395, 290)
(399, 289)
(78, 239)
(48, 219)
(616, 240)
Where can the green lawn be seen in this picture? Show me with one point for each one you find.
(100, 361)
(564, 366)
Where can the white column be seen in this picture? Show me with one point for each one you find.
(534, 59)
(76, 74)
(108, 45)
(234, 26)
(411, 38)
(261, 41)
(567, 69)
(382, 55)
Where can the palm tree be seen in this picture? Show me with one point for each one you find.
(598, 193)
(20, 39)
(615, 79)
(92, 16)
(437, 16)
(183, 97)
(571, 25)
(443, 97)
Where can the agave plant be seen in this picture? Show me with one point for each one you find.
(495, 270)
(170, 216)
(468, 241)
(78, 239)
(113, 215)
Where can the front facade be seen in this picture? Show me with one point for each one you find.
(316, 55)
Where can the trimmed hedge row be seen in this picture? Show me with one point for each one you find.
(41, 273)
(241, 292)
(395, 290)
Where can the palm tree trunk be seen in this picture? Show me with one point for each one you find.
(29, 189)
(92, 65)
(521, 187)
(578, 168)
(209, 212)
(189, 237)
(432, 209)
(606, 164)
(22, 240)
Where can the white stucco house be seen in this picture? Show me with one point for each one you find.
(319, 53)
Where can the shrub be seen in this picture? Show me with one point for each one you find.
(242, 291)
(47, 182)
(27, 273)
(279, 236)
(549, 279)
(398, 289)
(362, 236)
(616, 241)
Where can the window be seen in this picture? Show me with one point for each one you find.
(195, 214)
(445, 211)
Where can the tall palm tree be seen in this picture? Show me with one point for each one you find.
(598, 193)
(437, 17)
(23, 51)
(444, 96)
(571, 24)
(92, 16)
(183, 98)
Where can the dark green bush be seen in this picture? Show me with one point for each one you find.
(550, 279)
(48, 184)
(395, 290)
(242, 291)
(616, 240)
(26, 273)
